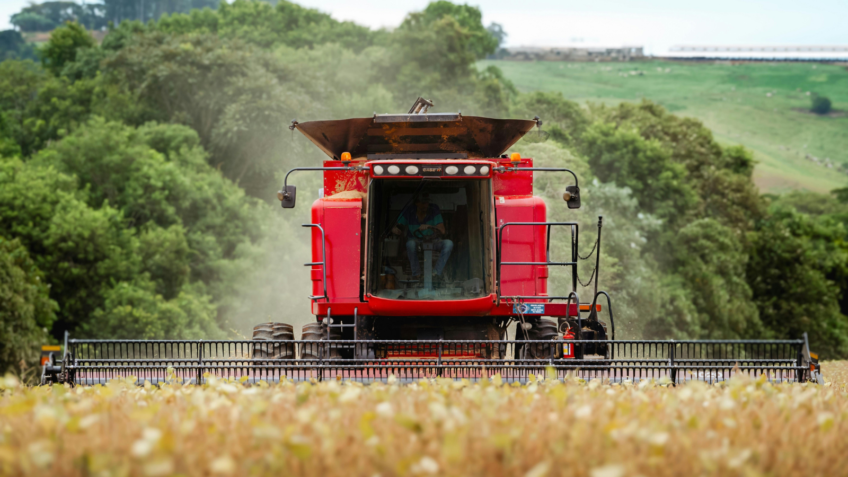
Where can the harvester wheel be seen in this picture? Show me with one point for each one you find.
(318, 332)
(546, 330)
(542, 330)
(273, 332)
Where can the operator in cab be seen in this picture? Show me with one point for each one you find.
(424, 222)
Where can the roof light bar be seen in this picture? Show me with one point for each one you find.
(431, 170)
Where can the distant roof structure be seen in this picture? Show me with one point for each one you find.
(572, 52)
(575, 46)
(760, 53)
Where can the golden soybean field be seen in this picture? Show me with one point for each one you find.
(744, 427)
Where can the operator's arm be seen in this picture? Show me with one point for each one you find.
(440, 223)
(400, 221)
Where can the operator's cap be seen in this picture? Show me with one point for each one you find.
(424, 197)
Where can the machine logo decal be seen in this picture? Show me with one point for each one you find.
(431, 170)
(529, 308)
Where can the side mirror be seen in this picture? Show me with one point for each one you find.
(288, 196)
(572, 197)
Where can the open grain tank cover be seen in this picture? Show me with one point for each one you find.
(441, 135)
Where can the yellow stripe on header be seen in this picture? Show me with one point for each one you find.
(51, 348)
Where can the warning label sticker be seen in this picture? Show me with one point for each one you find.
(529, 308)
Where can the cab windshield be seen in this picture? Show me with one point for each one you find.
(429, 239)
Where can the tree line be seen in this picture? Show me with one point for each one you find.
(137, 181)
(46, 16)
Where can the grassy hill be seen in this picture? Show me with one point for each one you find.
(763, 106)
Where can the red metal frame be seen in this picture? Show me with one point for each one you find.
(342, 222)
(448, 308)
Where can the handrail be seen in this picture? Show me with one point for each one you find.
(322, 263)
(575, 233)
(609, 308)
(345, 168)
(538, 169)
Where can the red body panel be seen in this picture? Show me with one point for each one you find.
(341, 220)
(513, 183)
(473, 307)
(522, 243)
(340, 181)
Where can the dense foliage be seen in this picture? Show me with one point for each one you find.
(26, 310)
(133, 175)
(46, 16)
(13, 46)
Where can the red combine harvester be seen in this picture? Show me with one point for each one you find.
(427, 245)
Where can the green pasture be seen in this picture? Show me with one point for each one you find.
(763, 106)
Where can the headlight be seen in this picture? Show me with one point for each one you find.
(378, 169)
(484, 170)
(469, 170)
(411, 170)
(394, 169)
(451, 170)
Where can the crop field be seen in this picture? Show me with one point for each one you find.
(763, 106)
(432, 427)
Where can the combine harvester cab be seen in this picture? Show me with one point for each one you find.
(431, 258)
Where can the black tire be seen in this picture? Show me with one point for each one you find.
(273, 332)
(545, 330)
(541, 330)
(318, 332)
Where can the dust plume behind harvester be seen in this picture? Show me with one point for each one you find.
(427, 245)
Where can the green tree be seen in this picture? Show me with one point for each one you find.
(264, 25)
(19, 82)
(432, 53)
(797, 269)
(563, 120)
(235, 96)
(58, 107)
(63, 46)
(133, 310)
(76, 247)
(8, 146)
(720, 177)
(90, 258)
(498, 32)
(158, 174)
(26, 311)
(30, 21)
(13, 46)
(185, 222)
(476, 38)
(626, 158)
(46, 16)
(821, 105)
(711, 260)
(493, 94)
(86, 65)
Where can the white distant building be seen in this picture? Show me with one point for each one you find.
(759, 53)
(572, 53)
